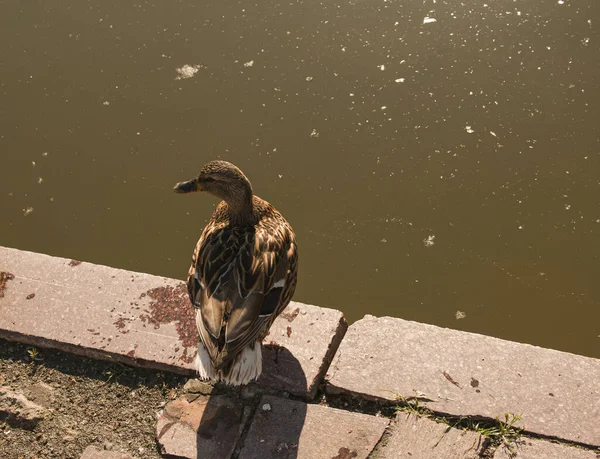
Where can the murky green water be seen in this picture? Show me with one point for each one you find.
(437, 159)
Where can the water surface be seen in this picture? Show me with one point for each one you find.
(438, 160)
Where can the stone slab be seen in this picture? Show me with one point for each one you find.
(530, 448)
(208, 426)
(465, 374)
(292, 429)
(18, 410)
(414, 437)
(91, 452)
(145, 320)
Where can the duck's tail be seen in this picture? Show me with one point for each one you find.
(244, 368)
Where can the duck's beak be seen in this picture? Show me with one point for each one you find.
(186, 187)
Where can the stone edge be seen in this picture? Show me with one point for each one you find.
(92, 353)
(332, 349)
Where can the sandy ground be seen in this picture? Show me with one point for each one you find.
(86, 402)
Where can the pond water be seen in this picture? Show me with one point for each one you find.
(439, 160)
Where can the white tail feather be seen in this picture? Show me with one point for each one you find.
(246, 367)
(204, 365)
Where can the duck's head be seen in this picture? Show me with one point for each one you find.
(223, 180)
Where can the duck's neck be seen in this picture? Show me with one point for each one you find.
(241, 209)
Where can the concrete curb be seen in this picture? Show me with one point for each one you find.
(466, 374)
(146, 321)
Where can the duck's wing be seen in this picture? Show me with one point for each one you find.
(242, 278)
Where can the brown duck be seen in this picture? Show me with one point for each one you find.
(243, 274)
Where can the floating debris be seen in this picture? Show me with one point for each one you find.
(33, 163)
(429, 241)
(460, 315)
(106, 102)
(381, 67)
(428, 20)
(249, 64)
(40, 180)
(187, 71)
(309, 78)
(399, 80)
(45, 153)
(314, 133)
(27, 211)
(469, 129)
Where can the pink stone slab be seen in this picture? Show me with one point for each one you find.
(465, 374)
(283, 428)
(531, 448)
(91, 452)
(414, 437)
(145, 320)
(209, 426)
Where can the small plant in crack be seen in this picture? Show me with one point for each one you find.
(411, 405)
(34, 354)
(502, 433)
(114, 372)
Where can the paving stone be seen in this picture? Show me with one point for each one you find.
(42, 394)
(145, 320)
(197, 386)
(465, 374)
(209, 426)
(529, 448)
(92, 452)
(18, 410)
(283, 428)
(413, 437)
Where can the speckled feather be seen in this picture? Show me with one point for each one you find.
(241, 277)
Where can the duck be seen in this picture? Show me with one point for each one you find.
(243, 274)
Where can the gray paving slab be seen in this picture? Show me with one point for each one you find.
(413, 437)
(465, 374)
(530, 448)
(283, 428)
(146, 320)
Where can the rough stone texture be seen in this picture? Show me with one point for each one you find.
(146, 320)
(466, 374)
(529, 448)
(91, 452)
(197, 386)
(300, 347)
(206, 427)
(413, 437)
(283, 428)
(42, 394)
(19, 411)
